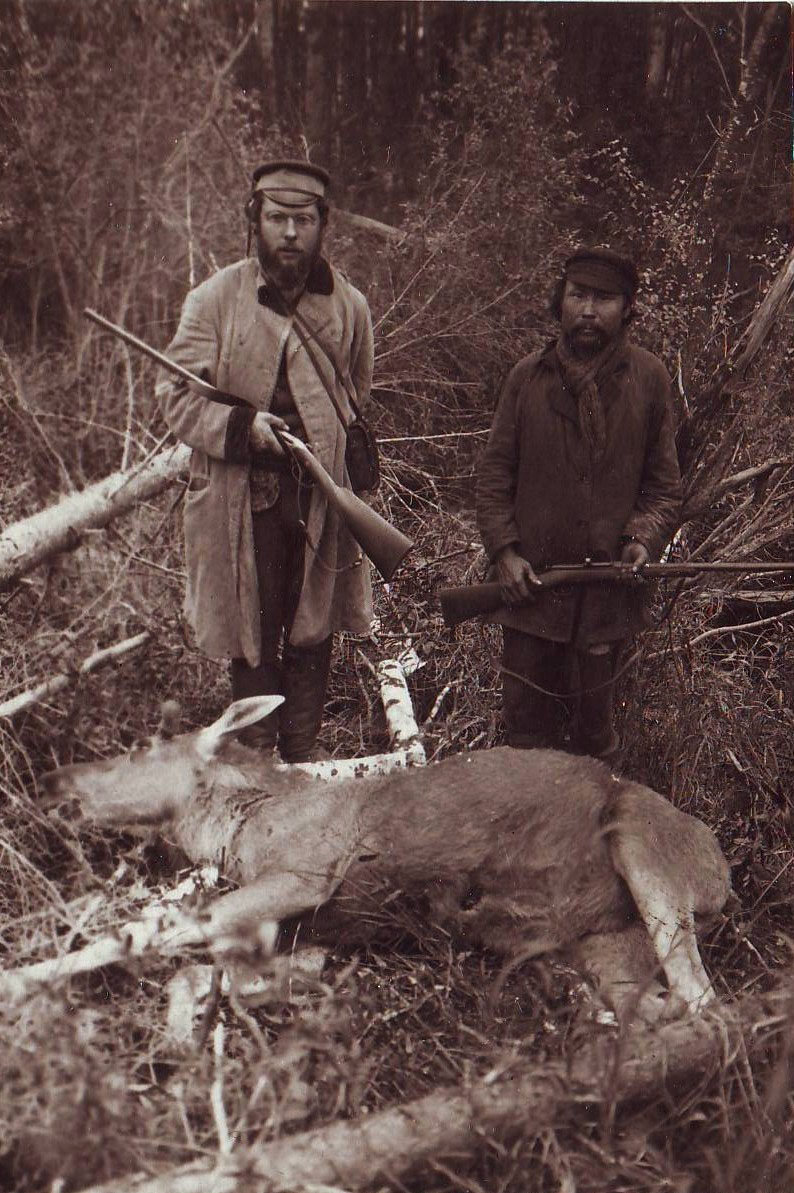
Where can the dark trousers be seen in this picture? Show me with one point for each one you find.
(300, 674)
(559, 696)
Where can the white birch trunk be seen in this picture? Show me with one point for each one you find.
(26, 544)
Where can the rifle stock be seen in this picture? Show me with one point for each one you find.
(462, 603)
(381, 542)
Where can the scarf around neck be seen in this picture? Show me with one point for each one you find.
(584, 379)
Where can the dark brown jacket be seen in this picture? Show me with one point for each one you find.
(538, 489)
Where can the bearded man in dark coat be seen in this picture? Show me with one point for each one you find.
(580, 464)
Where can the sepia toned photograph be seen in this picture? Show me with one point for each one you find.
(396, 596)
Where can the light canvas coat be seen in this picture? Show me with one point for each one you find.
(231, 340)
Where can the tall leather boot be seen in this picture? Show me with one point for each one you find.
(304, 684)
(264, 680)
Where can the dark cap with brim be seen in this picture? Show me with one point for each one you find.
(603, 269)
(291, 183)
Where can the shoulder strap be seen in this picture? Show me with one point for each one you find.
(304, 331)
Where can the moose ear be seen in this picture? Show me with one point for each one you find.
(236, 717)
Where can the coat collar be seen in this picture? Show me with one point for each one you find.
(319, 281)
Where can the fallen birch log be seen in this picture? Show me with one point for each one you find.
(161, 928)
(49, 687)
(403, 730)
(58, 528)
(390, 1144)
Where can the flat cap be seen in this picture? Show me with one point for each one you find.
(603, 269)
(291, 183)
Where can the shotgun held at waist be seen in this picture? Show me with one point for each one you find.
(478, 600)
(384, 544)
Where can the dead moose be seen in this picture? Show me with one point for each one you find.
(522, 852)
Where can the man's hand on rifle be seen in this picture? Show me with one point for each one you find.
(516, 576)
(261, 435)
(634, 553)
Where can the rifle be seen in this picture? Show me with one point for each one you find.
(476, 600)
(383, 543)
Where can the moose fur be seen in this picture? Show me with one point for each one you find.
(520, 852)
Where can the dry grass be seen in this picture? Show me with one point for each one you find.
(707, 722)
(90, 1087)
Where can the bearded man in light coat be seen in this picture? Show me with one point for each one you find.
(272, 573)
(580, 464)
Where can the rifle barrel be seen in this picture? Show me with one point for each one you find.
(383, 543)
(203, 387)
(620, 571)
(475, 600)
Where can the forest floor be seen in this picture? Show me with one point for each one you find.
(93, 1086)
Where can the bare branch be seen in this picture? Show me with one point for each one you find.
(57, 683)
(390, 1144)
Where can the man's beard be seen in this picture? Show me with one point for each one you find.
(288, 273)
(586, 346)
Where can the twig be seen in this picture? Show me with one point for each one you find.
(125, 455)
(696, 21)
(428, 438)
(189, 219)
(718, 631)
(58, 682)
(216, 1092)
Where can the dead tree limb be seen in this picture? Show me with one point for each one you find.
(705, 499)
(366, 224)
(26, 544)
(763, 320)
(57, 683)
(735, 366)
(388, 1145)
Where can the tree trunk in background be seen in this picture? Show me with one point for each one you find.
(288, 63)
(657, 55)
(267, 86)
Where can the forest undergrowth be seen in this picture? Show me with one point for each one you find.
(91, 1085)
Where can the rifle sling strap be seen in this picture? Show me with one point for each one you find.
(305, 332)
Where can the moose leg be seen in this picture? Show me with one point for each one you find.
(668, 915)
(623, 967)
(258, 908)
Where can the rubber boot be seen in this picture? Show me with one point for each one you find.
(304, 684)
(264, 680)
